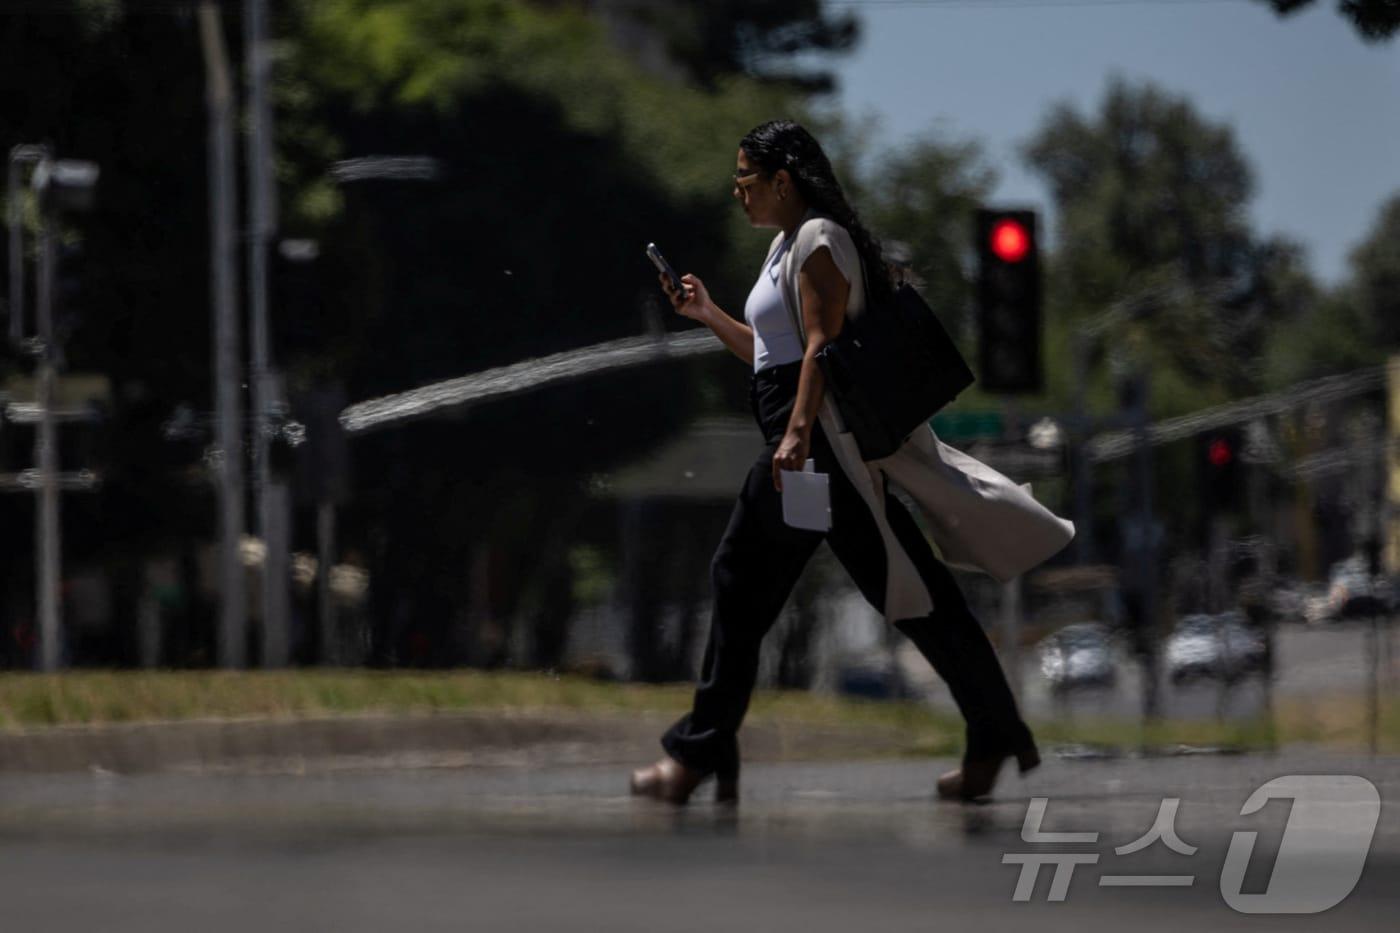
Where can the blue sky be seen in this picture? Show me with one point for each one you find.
(1316, 110)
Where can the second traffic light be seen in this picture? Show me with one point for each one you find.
(1008, 301)
(1222, 480)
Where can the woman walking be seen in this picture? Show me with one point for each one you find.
(811, 279)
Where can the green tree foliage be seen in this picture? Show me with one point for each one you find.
(1375, 20)
(922, 197)
(1144, 183)
(561, 160)
(1375, 266)
(712, 40)
(1356, 324)
(1152, 232)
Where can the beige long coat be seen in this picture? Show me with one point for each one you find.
(978, 518)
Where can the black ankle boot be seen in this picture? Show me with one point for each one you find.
(977, 776)
(961, 654)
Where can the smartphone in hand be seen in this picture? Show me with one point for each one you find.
(663, 266)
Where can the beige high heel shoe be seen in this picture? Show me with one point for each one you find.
(670, 781)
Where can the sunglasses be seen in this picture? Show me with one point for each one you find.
(743, 179)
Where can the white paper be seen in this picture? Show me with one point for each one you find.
(807, 498)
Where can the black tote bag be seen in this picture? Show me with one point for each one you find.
(890, 369)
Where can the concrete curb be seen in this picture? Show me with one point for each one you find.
(496, 738)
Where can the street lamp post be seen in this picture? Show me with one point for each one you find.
(272, 495)
(56, 184)
(47, 530)
(233, 602)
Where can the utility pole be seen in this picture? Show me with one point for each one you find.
(233, 602)
(1367, 430)
(273, 499)
(56, 184)
(47, 545)
(1080, 464)
(1141, 543)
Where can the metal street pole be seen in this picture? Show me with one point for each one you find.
(233, 602)
(1149, 550)
(325, 561)
(1080, 464)
(47, 544)
(56, 183)
(272, 498)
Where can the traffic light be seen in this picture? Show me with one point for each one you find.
(1221, 472)
(1008, 301)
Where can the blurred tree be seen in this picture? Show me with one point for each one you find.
(1356, 324)
(1155, 270)
(922, 199)
(756, 38)
(560, 160)
(1375, 267)
(1150, 199)
(125, 91)
(1375, 20)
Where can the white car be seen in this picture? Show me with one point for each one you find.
(1352, 592)
(1079, 655)
(1221, 645)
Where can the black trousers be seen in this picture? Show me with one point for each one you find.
(756, 566)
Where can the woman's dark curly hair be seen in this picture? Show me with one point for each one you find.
(780, 144)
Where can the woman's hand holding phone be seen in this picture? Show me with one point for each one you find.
(696, 300)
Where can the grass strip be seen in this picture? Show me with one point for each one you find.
(29, 700)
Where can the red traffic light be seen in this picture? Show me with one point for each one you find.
(1219, 453)
(1010, 241)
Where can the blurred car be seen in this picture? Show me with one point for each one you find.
(1352, 592)
(1220, 645)
(1315, 608)
(1292, 601)
(1079, 655)
(870, 674)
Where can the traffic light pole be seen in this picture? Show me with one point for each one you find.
(233, 601)
(56, 184)
(1083, 467)
(47, 544)
(1147, 544)
(272, 497)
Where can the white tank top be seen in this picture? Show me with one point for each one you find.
(775, 341)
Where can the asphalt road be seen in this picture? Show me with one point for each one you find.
(812, 847)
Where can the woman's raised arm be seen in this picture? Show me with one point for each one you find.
(697, 306)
